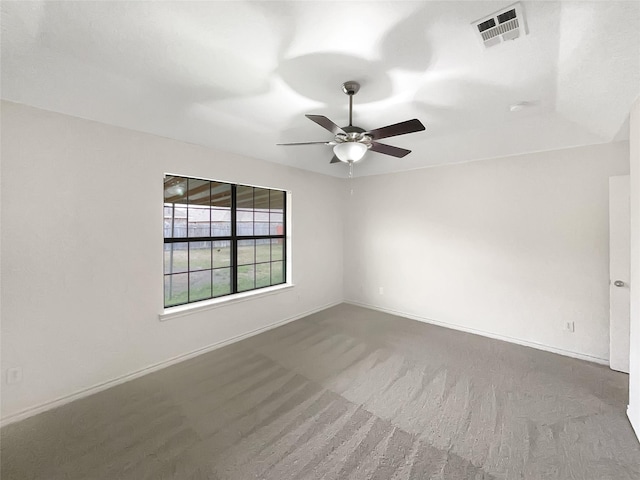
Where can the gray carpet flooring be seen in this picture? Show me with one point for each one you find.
(347, 393)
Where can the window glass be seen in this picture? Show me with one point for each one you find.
(221, 254)
(176, 288)
(198, 221)
(277, 272)
(221, 281)
(277, 249)
(246, 277)
(176, 257)
(263, 250)
(246, 252)
(220, 222)
(175, 221)
(277, 200)
(199, 285)
(199, 192)
(244, 225)
(199, 256)
(220, 239)
(221, 195)
(244, 198)
(175, 190)
(261, 199)
(263, 275)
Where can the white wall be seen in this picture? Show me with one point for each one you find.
(511, 247)
(634, 363)
(82, 252)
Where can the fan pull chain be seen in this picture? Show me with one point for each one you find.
(351, 178)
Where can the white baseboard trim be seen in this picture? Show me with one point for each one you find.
(43, 407)
(453, 326)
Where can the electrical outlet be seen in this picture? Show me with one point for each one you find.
(381, 290)
(14, 375)
(569, 327)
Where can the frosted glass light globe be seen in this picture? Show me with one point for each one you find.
(350, 151)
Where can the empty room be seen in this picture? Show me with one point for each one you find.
(320, 240)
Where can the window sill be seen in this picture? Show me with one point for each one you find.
(184, 310)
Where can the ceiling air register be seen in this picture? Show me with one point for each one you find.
(503, 25)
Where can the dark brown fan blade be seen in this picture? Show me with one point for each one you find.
(326, 123)
(335, 160)
(401, 128)
(389, 150)
(306, 143)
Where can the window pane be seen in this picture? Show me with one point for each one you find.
(277, 223)
(199, 256)
(244, 216)
(199, 285)
(244, 219)
(277, 200)
(221, 254)
(261, 216)
(261, 199)
(276, 229)
(180, 228)
(220, 222)
(175, 257)
(198, 193)
(276, 217)
(263, 250)
(175, 221)
(263, 275)
(175, 190)
(221, 281)
(168, 213)
(199, 221)
(246, 252)
(246, 277)
(276, 273)
(221, 194)
(261, 222)
(175, 289)
(277, 249)
(261, 228)
(244, 197)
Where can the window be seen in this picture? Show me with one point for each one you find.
(221, 239)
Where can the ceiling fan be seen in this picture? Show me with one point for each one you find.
(350, 143)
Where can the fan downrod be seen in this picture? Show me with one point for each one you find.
(350, 88)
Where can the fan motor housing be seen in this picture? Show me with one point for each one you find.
(354, 134)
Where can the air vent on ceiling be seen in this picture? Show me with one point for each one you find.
(503, 25)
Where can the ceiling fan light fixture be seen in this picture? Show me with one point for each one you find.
(350, 151)
(352, 142)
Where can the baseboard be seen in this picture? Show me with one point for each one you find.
(43, 407)
(518, 341)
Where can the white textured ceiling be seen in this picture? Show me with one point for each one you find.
(239, 76)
